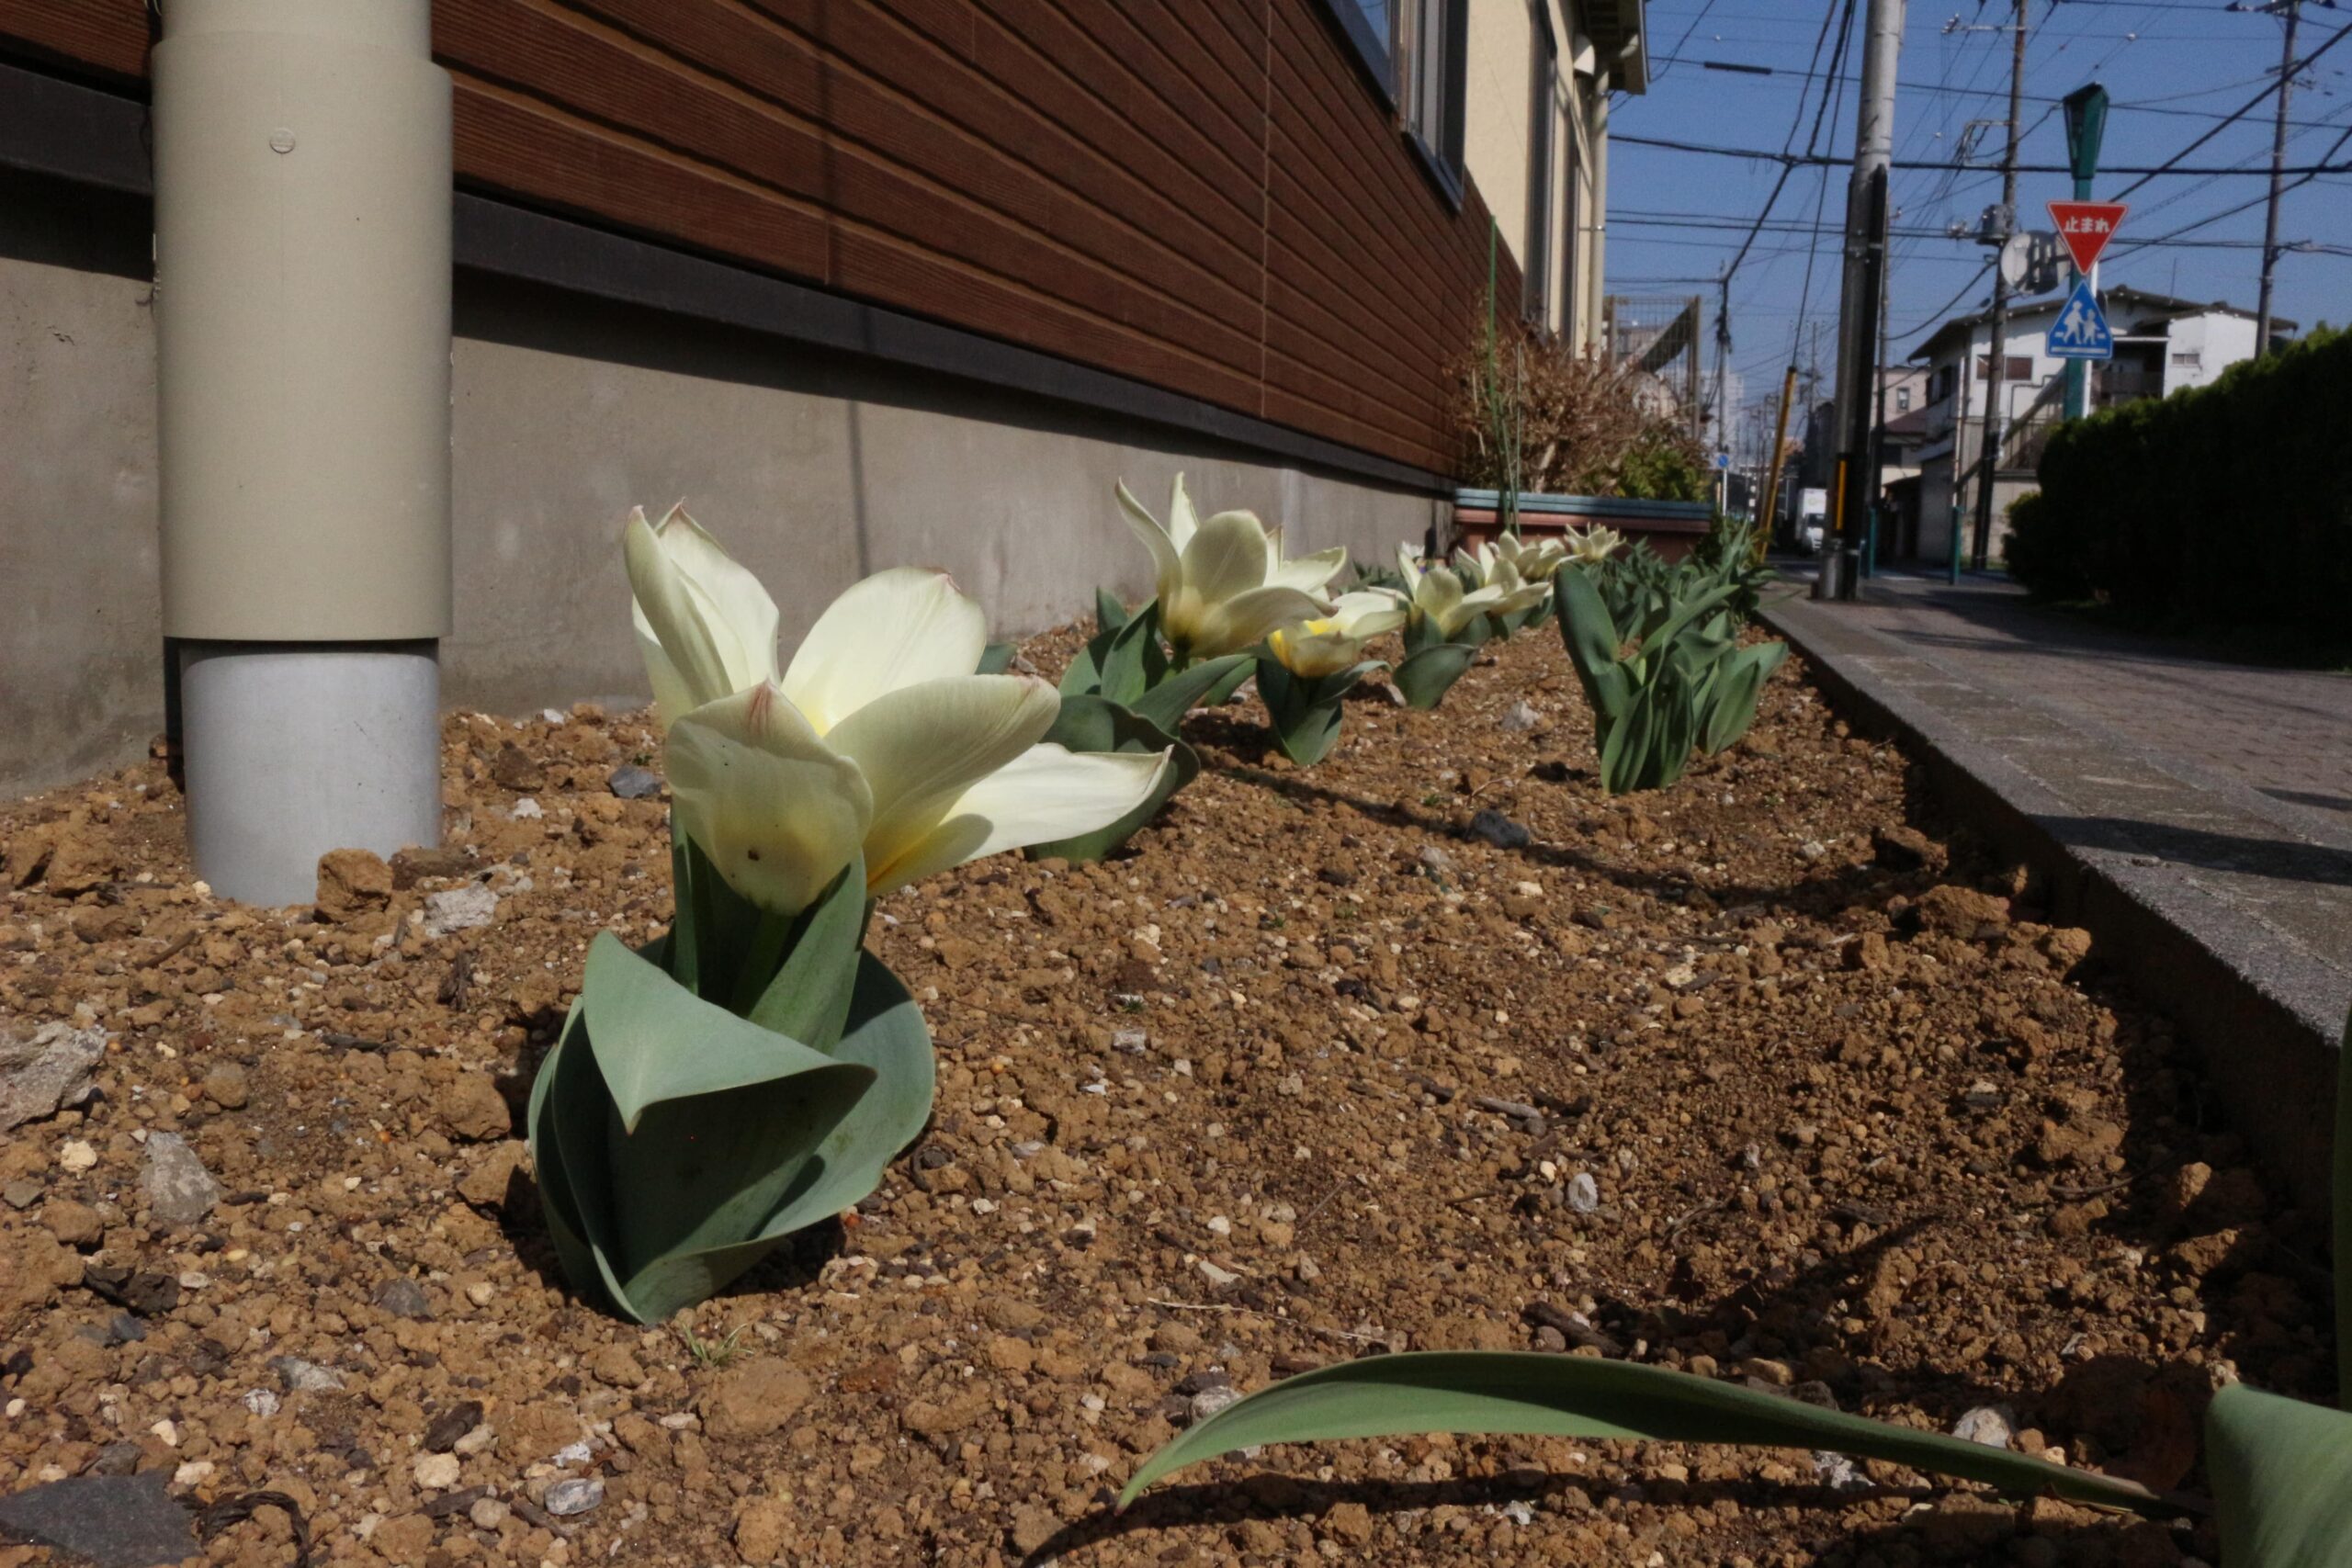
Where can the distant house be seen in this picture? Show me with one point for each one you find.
(2162, 344)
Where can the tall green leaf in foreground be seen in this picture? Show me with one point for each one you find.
(2282, 1469)
(1534, 1394)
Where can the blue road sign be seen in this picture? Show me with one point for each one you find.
(2080, 331)
(1723, 459)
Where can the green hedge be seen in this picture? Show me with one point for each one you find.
(2223, 506)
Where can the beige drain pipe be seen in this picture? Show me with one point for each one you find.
(302, 320)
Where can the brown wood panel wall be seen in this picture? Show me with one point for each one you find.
(1204, 196)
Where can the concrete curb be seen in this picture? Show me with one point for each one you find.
(2265, 1016)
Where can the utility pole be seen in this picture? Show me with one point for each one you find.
(1723, 358)
(1853, 477)
(1989, 459)
(1780, 444)
(2289, 10)
(1876, 464)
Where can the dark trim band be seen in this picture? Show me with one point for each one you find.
(49, 126)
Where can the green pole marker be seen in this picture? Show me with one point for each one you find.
(2086, 114)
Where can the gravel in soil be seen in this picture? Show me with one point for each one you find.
(1762, 1078)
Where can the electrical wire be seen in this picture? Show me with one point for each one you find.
(2293, 69)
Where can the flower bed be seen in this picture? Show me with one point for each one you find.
(1432, 1045)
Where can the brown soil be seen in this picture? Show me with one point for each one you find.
(1310, 1074)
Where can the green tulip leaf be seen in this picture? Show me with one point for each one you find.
(807, 997)
(1097, 724)
(1730, 703)
(1427, 674)
(655, 1041)
(1121, 659)
(886, 1036)
(1109, 614)
(1205, 684)
(725, 1156)
(1305, 711)
(995, 659)
(2282, 1480)
(1530, 1393)
(1587, 632)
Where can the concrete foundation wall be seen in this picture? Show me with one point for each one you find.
(815, 468)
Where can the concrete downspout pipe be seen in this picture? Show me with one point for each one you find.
(302, 326)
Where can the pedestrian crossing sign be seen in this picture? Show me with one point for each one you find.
(2080, 331)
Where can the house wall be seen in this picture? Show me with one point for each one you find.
(816, 466)
(2218, 340)
(1498, 113)
(1207, 196)
(1498, 127)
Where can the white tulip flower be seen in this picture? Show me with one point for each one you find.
(1594, 545)
(878, 737)
(706, 627)
(1436, 594)
(1330, 644)
(1534, 559)
(1223, 584)
(1497, 572)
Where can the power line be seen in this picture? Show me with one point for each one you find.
(2242, 110)
(1773, 196)
(1820, 160)
(1742, 69)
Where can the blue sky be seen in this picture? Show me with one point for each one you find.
(2172, 68)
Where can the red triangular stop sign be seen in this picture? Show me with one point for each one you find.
(2087, 226)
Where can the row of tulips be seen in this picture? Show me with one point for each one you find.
(752, 1070)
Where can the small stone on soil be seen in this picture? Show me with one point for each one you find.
(179, 1190)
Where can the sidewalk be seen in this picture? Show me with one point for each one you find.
(2195, 815)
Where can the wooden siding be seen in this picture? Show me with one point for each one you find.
(1204, 196)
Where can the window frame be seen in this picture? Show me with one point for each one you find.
(1445, 157)
(1440, 151)
(1376, 57)
(1542, 176)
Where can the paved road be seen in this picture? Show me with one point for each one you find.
(2284, 733)
(2216, 796)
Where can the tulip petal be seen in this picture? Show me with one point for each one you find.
(1045, 794)
(1408, 565)
(1225, 555)
(921, 746)
(681, 620)
(898, 628)
(778, 813)
(1244, 619)
(673, 697)
(1367, 613)
(1308, 573)
(1438, 595)
(1182, 520)
(745, 615)
(1476, 603)
(1167, 568)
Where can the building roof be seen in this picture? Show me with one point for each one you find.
(1907, 427)
(1620, 36)
(2142, 304)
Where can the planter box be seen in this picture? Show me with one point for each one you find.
(1672, 527)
